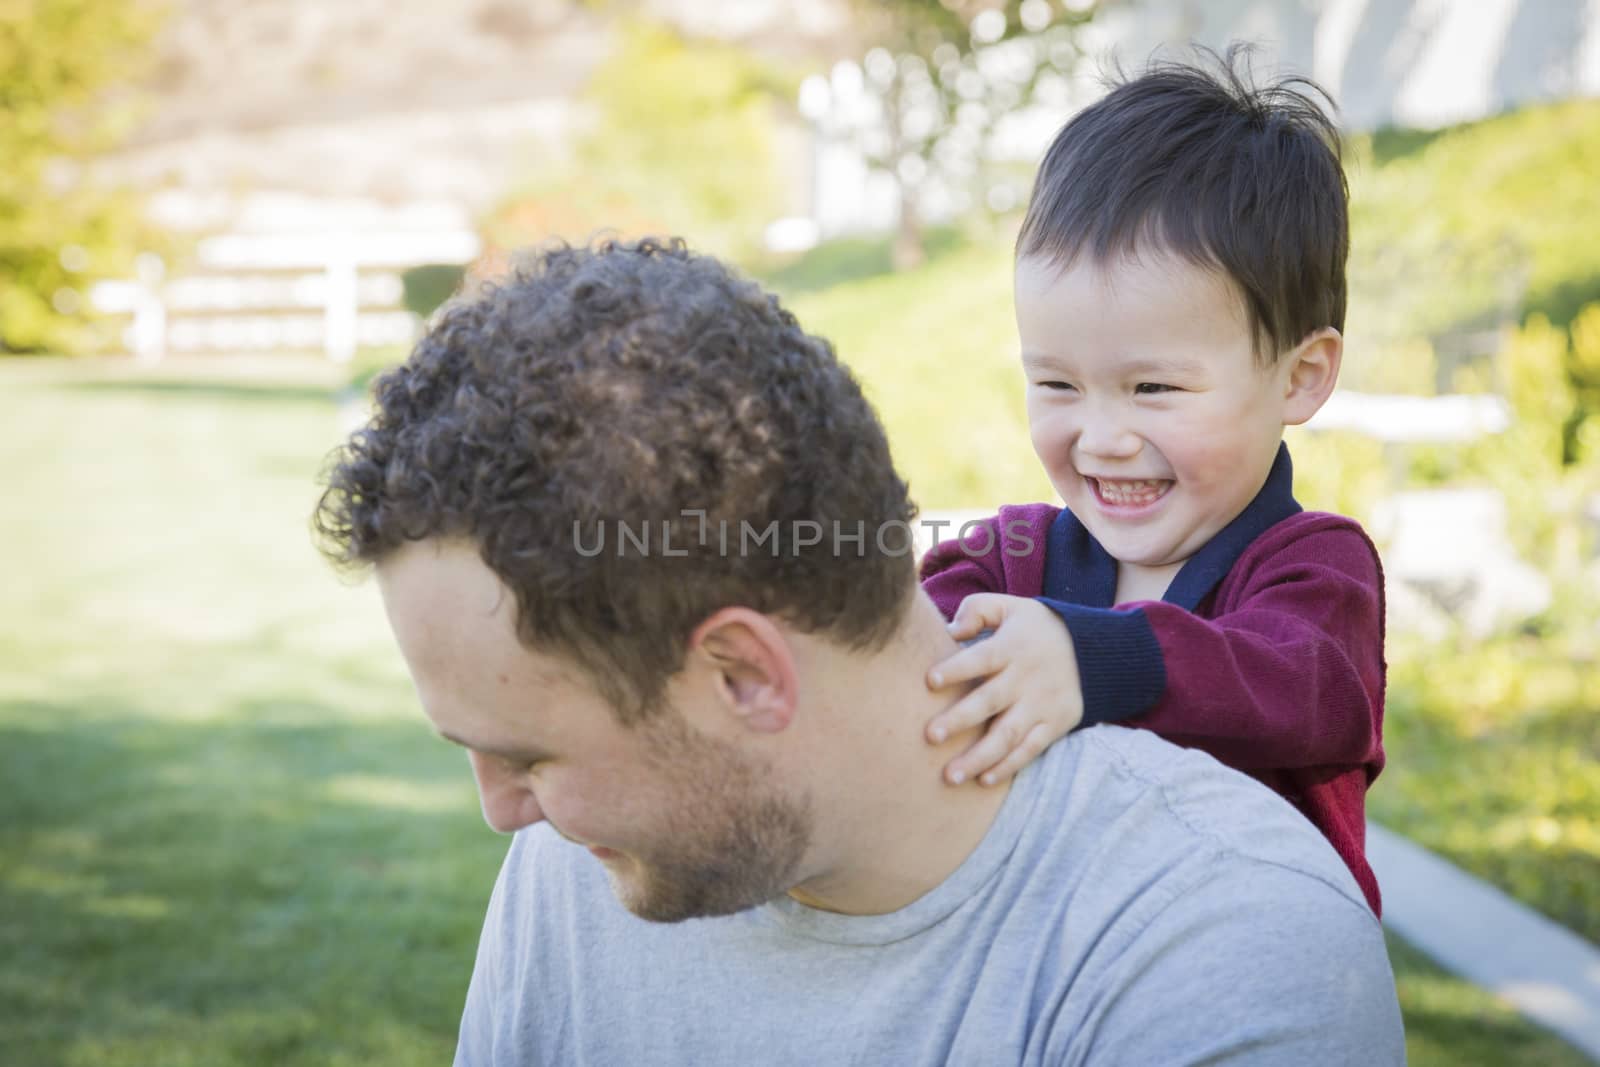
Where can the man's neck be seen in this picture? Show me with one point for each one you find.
(897, 829)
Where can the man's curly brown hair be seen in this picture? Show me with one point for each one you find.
(630, 382)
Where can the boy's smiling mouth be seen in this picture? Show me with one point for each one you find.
(1128, 492)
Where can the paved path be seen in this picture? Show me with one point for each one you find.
(1473, 930)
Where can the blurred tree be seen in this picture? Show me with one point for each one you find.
(57, 59)
(1540, 463)
(681, 143)
(424, 289)
(941, 77)
(1582, 432)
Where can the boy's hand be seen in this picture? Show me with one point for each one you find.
(1032, 692)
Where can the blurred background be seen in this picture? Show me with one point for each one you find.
(226, 834)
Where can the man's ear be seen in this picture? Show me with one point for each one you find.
(1311, 371)
(754, 665)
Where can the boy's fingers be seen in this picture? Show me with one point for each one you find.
(964, 627)
(978, 661)
(974, 709)
(977, 613)
(1003, 736)
(1033, 743)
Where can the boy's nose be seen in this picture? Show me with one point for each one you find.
(509, 803)
(1104, 435)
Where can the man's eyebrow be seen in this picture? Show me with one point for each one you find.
(521, 752)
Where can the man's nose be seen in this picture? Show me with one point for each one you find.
(1106, 432)
(509, 803)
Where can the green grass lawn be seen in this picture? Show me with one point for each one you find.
(1452, 1024)
(226, 834)
(227, 837)
(1456, 211)
(936, 352)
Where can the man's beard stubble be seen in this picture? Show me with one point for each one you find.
(730, 841)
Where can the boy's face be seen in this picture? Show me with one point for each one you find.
(1146, 404)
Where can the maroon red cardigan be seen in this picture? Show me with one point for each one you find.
(1266, 651)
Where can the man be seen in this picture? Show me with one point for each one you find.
(646, 556)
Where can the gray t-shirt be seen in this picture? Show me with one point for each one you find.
(1133, 903)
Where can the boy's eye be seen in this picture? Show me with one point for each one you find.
(1056, 385)
(1151, 388)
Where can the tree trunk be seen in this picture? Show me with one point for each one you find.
(908, 252)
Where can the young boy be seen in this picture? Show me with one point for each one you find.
(1180, 293)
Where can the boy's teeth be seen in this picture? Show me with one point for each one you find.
(1129, 492)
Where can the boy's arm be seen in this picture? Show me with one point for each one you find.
(1003, 554)
(1290, 675)
(950, 574)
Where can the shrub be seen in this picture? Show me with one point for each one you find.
(426, 288)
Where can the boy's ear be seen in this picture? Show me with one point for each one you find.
(753, 667)
(1311, 369)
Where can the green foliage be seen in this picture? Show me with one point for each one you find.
(1476, 268)
(1538, 388)
(847, 259)
(1466, 232)
(894, 21)
(941, 77)
(1581, 436)
(426, 288)
(1339, 471)
(1539, 463)
(1461, 229)
(1407, 366)
(57, 234)
(683, 143)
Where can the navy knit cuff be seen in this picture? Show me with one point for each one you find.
(1120, 664)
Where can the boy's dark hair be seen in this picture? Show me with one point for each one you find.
(1202, 163)
(631, 382)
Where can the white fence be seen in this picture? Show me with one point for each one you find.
(256, 292)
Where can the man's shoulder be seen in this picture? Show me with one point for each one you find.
(1143, 796)
(1188, 875)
